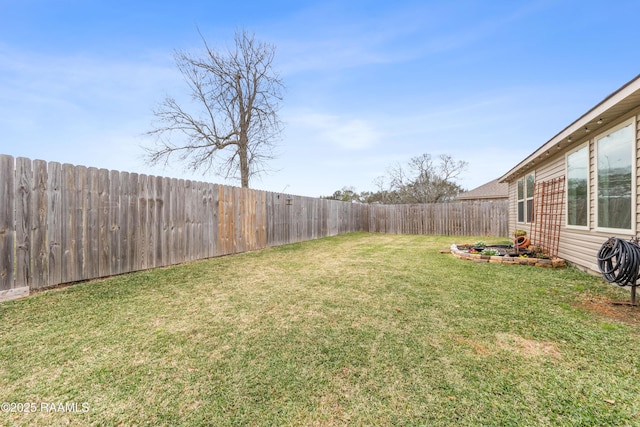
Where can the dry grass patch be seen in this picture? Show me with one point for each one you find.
(528, 347)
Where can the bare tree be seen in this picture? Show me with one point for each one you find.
(424, 181)
(232, 123)
(421, 181)
(346, 194)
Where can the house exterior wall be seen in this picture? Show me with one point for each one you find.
(580, 246)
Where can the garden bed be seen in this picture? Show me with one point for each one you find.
(505, 255)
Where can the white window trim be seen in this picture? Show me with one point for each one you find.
(528, 214)
(634, 174)
(525, 199)
(566, 173)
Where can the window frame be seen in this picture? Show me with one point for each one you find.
(632, 153)
(586, 146)
(527, 214)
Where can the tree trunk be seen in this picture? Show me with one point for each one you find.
(244, 164)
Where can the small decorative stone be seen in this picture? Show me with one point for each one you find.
(543, 265)
(558, 263)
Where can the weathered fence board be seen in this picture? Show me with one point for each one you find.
(39, 243)
(7, 223)
(23, 219)
(65, 223)
(104, 223)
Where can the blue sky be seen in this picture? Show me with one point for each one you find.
(369, 83)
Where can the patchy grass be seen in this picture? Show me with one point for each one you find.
(361, 329)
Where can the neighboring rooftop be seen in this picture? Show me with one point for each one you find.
(490, 190)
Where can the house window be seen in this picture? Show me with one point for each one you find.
(525, 198)
(530, 184)
(614, 179)
(578, 187)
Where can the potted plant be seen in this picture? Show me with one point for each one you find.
(519, 233)
(480, 245)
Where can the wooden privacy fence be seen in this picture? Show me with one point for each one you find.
(462, 218)
(61, 223)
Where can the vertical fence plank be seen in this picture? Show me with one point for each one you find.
(215, 220)
(186, 213)
(54, 223)
(92, 213)
(173, 228)
(68, 222)
(188, 220)
(115, 235)
(23, 215)
(195, 220)
(151, 222)
(39, 243)
(159, 222)
(166, 222)
(271, 219)
(223, 236)
(207, 220)
(104, 223)
(242, 222)
(237, 203)
(123, 222)
(80, 225)
(7, 217)
(210, 241)
(142, 226)
(179, 210)
(198, 216)
(132, 222)
(193, 208)
(268, 206)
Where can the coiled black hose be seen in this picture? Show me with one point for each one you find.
(619, 261)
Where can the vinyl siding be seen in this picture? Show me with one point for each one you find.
(578, 246)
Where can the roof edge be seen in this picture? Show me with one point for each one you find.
(624, 91)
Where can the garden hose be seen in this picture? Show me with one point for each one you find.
(619, 261)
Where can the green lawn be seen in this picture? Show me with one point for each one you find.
(360, 329)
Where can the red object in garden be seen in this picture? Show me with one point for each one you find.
(522, 242)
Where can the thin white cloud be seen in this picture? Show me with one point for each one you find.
(342, 133)
(80, 110)
(400, 34)
(341, 42)
(81, 77)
